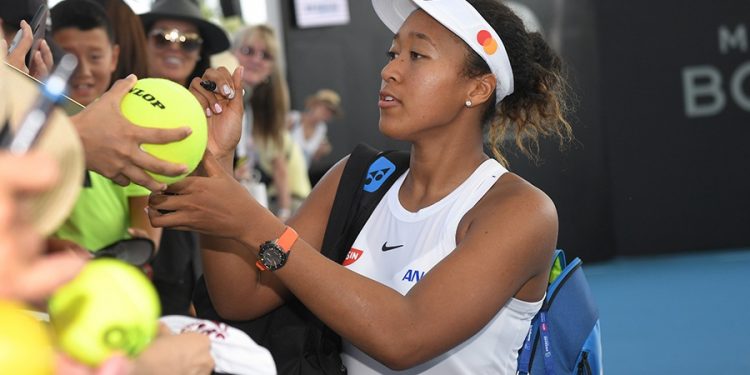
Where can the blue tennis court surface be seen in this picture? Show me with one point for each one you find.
(676, 314)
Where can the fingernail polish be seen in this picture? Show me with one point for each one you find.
(217, 107)
(226, 90)
(208, 112)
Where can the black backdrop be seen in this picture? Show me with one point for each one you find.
(680, 178)
(643, 176)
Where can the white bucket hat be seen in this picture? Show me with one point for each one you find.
(463, 20)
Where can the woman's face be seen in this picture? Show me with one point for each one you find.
(320, 112)
(254, 55)
(173, 49)
(423, 87)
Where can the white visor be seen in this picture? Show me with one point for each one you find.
(463, 20)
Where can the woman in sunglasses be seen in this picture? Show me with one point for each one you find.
(267, 146)
(179, 46)
(180, 42)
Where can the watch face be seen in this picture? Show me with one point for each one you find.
(272, 256)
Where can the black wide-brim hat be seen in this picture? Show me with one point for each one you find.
(13, 12)
(215, 40)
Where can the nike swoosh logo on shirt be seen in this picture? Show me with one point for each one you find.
(388, 248)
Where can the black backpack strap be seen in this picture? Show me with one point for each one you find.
(351, 178)
(365, 180)
(368, 200)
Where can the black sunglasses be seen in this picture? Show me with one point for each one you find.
(136, 251)
(251, 51)
(188, 42)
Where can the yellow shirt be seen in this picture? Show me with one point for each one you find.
(101, 215)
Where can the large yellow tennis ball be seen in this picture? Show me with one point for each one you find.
(161, 103)
(25, 347)
(109, 307)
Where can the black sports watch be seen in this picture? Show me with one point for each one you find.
(274, 254)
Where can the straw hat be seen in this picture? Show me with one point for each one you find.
(48, 210)
(327, 97)
(215, 39)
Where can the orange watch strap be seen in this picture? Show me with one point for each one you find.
(287, 239)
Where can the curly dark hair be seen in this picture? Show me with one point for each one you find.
(538, 105)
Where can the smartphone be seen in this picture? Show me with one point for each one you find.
(38, 30)
(34, 121)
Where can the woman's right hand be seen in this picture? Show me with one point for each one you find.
(223, 107)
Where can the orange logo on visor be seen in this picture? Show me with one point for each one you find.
(487, 41)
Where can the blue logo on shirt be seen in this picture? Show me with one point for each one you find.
(379, 171)
(413, 276)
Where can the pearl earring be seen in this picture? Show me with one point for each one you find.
(467, 103)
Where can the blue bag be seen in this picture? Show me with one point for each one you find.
(564, 337)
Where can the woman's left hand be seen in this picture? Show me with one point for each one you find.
(223, 107)
(215, 205)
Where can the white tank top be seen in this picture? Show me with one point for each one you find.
(397, 248)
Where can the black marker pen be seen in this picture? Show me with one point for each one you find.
(208, 85)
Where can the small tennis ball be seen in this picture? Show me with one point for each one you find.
(109, 307)
(161, 103)
(25, 346)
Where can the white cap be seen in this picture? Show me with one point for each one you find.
(233, 351)
(463, 20)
